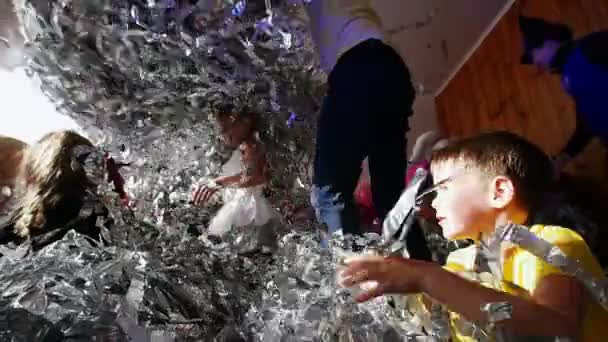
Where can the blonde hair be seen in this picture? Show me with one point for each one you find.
(52, 190)
(11, 155)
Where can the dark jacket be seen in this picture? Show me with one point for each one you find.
(584, 68)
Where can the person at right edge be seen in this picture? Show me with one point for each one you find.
(583, 65)
(364, 113)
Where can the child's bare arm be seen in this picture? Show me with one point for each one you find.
(228, 180)
(253, 175)
(555, 308)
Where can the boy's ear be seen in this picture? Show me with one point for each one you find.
(502, 192)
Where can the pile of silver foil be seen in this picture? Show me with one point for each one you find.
(143, 84)
(147, 284)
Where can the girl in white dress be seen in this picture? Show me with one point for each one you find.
(242, 180)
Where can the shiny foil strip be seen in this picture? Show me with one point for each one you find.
(554, 256)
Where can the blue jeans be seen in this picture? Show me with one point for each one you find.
(334, 211)
(364, 114)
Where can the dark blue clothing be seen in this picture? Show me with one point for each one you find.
(364, 114)
(584, 68)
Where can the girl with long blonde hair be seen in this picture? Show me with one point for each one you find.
(52, 187)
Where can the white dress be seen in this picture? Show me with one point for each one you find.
(242, 206)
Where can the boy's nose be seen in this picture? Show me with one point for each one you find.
(434, 203)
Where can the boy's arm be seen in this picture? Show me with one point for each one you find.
(577, 142)
(228, 180)
(556, 308)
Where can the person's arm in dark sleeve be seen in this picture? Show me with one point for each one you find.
(578, 141)
(594, 48)
(576, 144)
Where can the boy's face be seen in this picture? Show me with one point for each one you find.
(463, 200)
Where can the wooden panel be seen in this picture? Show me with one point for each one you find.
(493, 91)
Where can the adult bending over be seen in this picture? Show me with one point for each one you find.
(364, 113)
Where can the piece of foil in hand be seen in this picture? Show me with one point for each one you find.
(303, 301)
(554, 256)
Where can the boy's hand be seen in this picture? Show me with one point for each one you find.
(390, 275)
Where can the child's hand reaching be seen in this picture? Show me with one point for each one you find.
(203, 193)
(390, 275)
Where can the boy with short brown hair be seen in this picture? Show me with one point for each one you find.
(483, 183)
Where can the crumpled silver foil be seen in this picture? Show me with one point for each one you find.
(140, 77)
(149, 284)
(145, 283)
(303, 301)
(142, 80)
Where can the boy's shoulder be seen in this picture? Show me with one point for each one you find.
(568, 240)
(526, 270)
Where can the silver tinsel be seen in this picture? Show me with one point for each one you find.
(142, 78)
(141, 75)
(151, 283)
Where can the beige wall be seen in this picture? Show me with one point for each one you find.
(424, 119)
(433, 37)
